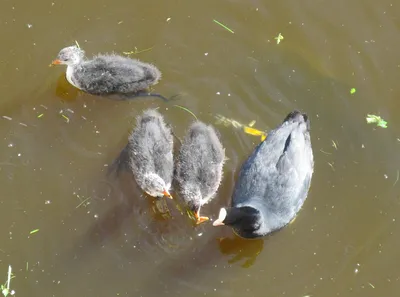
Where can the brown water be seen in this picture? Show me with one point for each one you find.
(345, 241)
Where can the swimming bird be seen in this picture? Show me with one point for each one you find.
(149, 151)
(199, 167)
(273, 182)
(108, 74)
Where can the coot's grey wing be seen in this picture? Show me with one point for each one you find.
(258, 173)
(250, 182)
(295, 168)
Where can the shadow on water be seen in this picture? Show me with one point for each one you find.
(64, 90)
(241, 249)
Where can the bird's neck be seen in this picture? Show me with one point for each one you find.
(70, 73)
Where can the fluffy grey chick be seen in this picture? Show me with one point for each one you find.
(199, 167)
(150, 154)
(274, 181)
(107, 75)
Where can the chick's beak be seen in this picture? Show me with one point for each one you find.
(200, 219)
(166, 193)
(56, 62)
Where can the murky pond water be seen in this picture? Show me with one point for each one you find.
(100, 236)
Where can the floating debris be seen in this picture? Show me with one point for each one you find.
(39, 116)
(136, 51)
(352, 90)
(334, 144)
(34, 231)
(279, 38)
(246, 128)
(371, 285)
(85, 202)
(397, 178)
(65, 117)
(331, 165)
(251, 124)
(186, 109)
(373, 119)
(223, 26)
(5, 289)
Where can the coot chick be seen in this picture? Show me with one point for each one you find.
(199, 167)
(107, 75)
(274, 181)
(150, 154)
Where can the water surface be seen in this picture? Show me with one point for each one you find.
(344, 241)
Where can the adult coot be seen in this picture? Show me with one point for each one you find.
(107, 75)
(149, 152)
(199, 167)
(274, 181)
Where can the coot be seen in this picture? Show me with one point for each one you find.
(274, 181)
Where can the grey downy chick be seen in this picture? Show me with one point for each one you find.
(199, 167)
(107, 75)
(149, 152)
(273, 182)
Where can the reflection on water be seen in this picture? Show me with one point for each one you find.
(245, 251)
(64, 90)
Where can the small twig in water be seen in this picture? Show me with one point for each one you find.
(185, 109)
(136, 51)
(326, 153)
(397, 178)
(83, 202)
(65, 117)
(223, 26)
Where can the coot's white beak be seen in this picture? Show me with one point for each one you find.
(221, 218)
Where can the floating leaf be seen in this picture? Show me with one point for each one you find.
(374, 119)
(34, 231)
(252, 131)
